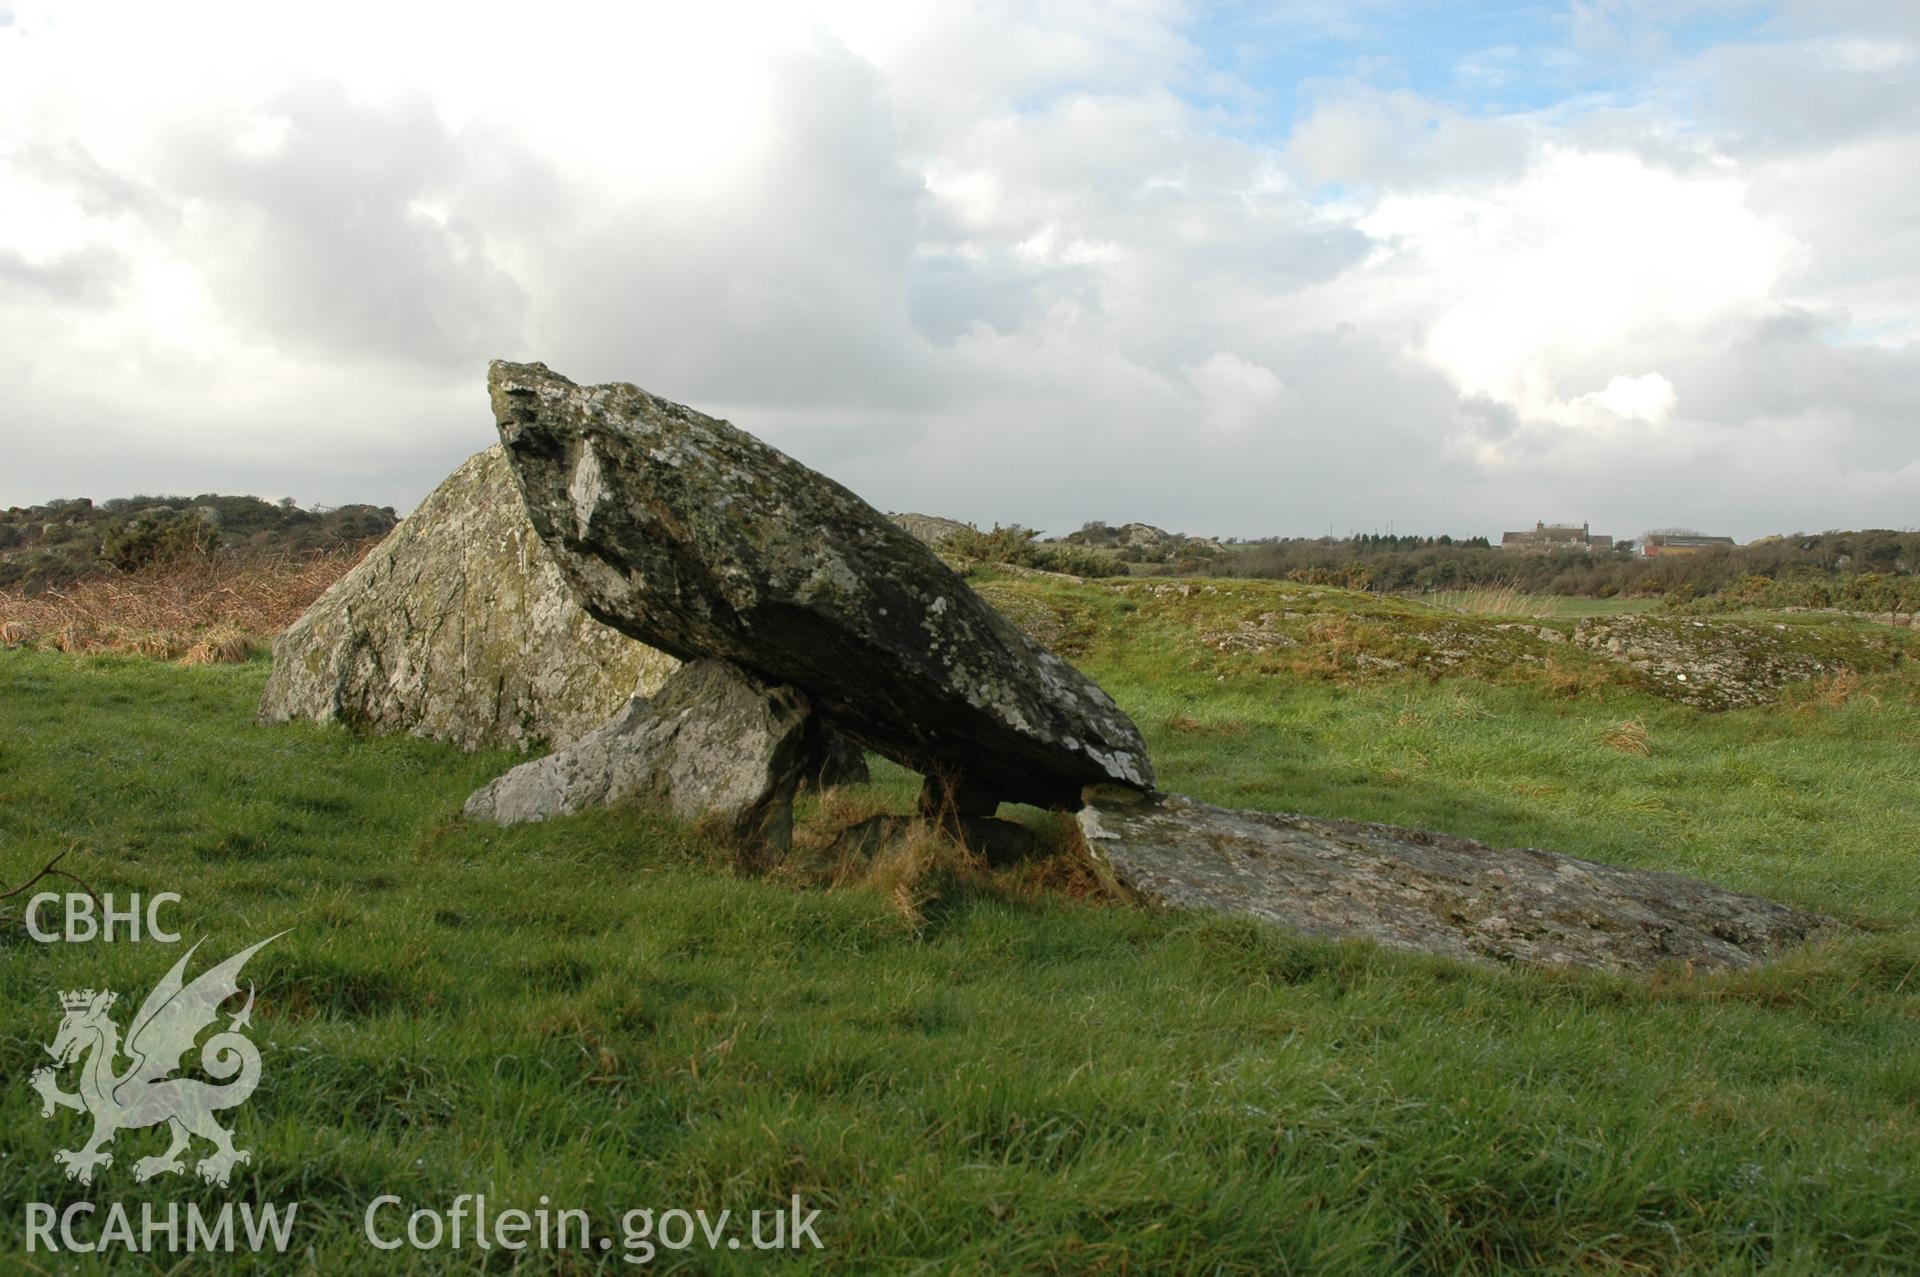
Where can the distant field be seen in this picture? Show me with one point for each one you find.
(1523, 604)
(992, 1076)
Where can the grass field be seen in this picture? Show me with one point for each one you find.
(606, 1012)
(1516, 602)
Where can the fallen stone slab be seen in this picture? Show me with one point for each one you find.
(459, 627)
(696, 538)
(1408, 889)
(716, 743)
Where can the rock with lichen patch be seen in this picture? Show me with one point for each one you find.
(716, 743)
(1407, 889)
(1730, 664)
(694, 537)
(459, 627)
(931, 528)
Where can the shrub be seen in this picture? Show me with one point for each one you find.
(152, 537)
(1019, 546)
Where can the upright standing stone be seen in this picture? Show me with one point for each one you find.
(459, 627)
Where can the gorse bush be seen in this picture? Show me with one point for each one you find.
(1078, 562)
(1011, 544)
(153, 537)
(1154, 550)
(1351, 576)
(1020, 546)
(1872, 592)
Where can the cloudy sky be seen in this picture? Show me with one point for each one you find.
(1240, 269)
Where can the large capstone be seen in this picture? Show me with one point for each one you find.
(1408, 889)
(716, 744)
(459, 627)
(694, 537)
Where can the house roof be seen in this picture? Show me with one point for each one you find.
(1662, 538)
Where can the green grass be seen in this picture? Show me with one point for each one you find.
(601, 1011)
(1557, 605)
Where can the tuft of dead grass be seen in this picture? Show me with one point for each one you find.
(227, 645)
(1191, 726)
(1837, 688)
(1833, 691)
(1501, 600)
(817, 857)
(1629, 736)
(919, 862)
(201, 609)
(1567, 681)
(921, 868)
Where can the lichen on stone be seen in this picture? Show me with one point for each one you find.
(459, 627)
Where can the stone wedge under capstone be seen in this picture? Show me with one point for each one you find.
(694, 537)
(1407, 889)
(715, 743)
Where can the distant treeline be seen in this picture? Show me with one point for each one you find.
(1823, 568)
(48, 545)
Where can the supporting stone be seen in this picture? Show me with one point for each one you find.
(717, 743)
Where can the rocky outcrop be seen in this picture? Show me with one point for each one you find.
(716, 743)
(1727, 664)
(931, 529)
(1290, 629)
(459, 627)
(1412, 890)
(696, 538)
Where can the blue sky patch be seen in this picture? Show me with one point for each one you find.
(1481, 59)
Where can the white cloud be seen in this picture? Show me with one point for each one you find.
(1237, 395)
(1648, 397)
(1538, 285)
(1362, 136)
(1011, 262)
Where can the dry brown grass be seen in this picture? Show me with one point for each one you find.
(1063, 867)
(1501, 600)
(911, 869)
(1560, 679)
(203, 609)
(814, 860)
(916, 871)
(1834, 691)
(1837, 688)
(1192, 726)
(1629, 736)
(923, 862)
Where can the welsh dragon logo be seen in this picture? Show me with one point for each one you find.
(143, 1094)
